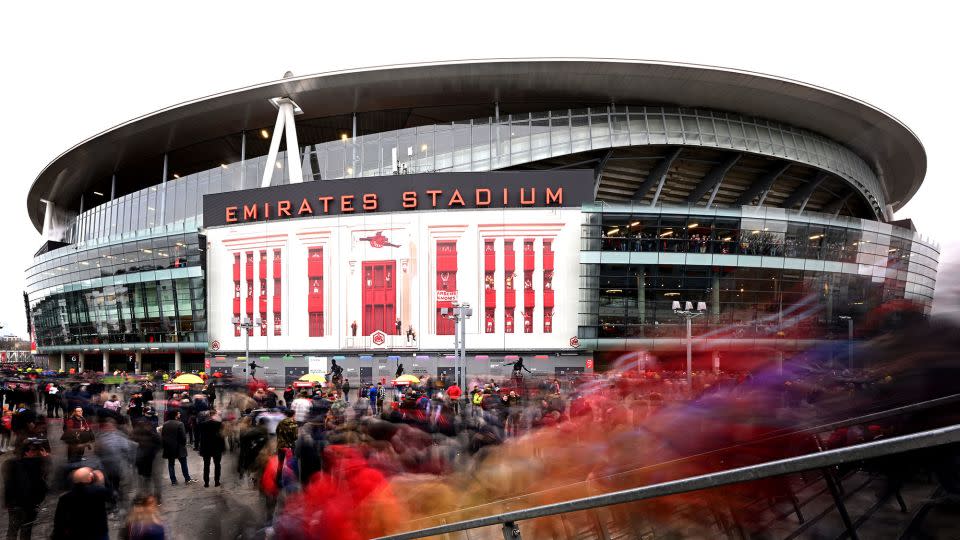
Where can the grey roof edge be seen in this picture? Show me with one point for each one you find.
(884, 142)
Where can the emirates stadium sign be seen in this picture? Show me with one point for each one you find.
(399, 193)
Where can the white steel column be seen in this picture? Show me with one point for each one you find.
(177, 360)
(63, 361)
(295, 168)
(81, 360)
(274, 149)
(106, 362)
(137, 362)
(48, 220)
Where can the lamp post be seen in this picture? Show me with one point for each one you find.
(459, 313)
(248, 327)
(688, 313)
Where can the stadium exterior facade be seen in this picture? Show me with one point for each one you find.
(589, 195)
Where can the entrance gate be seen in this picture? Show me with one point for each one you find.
(379, 297)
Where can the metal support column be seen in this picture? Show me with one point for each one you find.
(163, 191)
(106, 362)
(63, 361)
(177, 361)
(113, 186)
(689, 353)
(243, 159)
(274, 150)
(838, 502)
(81, 361)
(138, 362)
(294, 164)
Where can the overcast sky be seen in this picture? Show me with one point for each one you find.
(73, 70)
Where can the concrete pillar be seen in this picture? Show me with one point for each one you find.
(137, 362)
(63, 361)
(177, 361)
(106, 362)
(81, 358)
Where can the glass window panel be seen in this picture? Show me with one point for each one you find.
(481, 144)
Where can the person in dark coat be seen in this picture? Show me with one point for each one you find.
(82, 511)
(25, 488)
(148, 446)
(212, 445)
(253, 438)
(173, 434)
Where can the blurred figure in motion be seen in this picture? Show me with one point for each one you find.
(77, 435)
(148, 447)
(25, 487)
(174, 438)
(143, 522)
(82, 511)
(253, 438)
(212, 444)
(116, 454)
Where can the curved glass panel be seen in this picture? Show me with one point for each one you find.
(482, 144)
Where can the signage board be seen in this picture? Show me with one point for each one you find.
(317, 365)
(401, 193)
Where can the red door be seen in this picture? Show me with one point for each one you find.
(379, 297)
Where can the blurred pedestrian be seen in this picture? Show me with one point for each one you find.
(212, 444)
(82, 511)
(287, 433)
(143, 522)
(77, 435)
(25, 488)
(148, 447)
(173, 434)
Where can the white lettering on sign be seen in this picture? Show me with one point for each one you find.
(446, 296)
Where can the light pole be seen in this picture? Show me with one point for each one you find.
(459, 313)
(849, 320)
(248, 327)
(688, 313)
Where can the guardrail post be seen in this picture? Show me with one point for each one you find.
(511, 531)
(838, 502)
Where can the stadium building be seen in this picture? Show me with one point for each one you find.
(571, 203)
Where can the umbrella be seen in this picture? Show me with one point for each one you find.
(314, 377)
(406, 379)
(188, 378)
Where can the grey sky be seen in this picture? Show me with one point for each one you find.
(73, 70)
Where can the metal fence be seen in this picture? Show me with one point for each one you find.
(821, 460)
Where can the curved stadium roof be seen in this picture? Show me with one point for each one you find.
(888, 146)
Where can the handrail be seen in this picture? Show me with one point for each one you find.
(785, 432)
(856, 420)
(819, 460)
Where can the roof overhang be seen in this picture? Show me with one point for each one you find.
(888, 146)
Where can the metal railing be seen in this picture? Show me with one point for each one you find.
(821, 460)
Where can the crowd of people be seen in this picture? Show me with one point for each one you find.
(356, 460)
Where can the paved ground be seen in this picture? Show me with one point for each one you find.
(189, 511)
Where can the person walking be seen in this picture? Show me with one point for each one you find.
(212, 445)
(301, 408)
(287, 433)
(173, 435)
(143, 522)
(148, 446)
(77, 435)
(82, 512)
(25, 488)
(346, 390)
